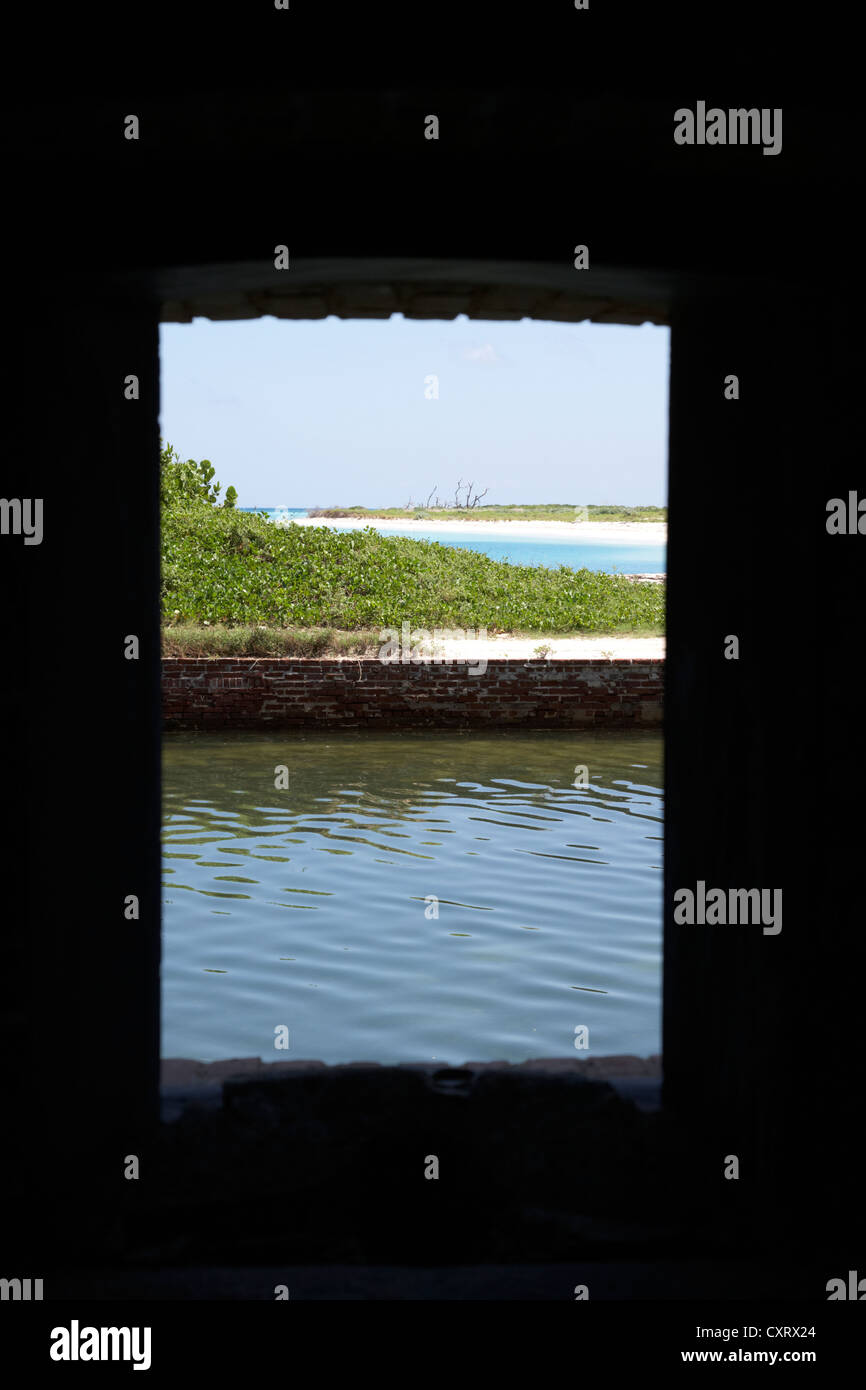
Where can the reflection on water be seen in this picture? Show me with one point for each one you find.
(411, 896)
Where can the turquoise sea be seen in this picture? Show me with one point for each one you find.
(632, 557)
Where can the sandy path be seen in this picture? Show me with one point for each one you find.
(575, 648)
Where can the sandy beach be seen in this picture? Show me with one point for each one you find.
(646, 532)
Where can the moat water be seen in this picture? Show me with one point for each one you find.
(411, 896)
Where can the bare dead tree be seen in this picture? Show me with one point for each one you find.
(468, 501)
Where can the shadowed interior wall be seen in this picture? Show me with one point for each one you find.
(757, 1033)
(764, 756)
(82, 1042)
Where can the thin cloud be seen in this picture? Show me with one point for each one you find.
(487, 353)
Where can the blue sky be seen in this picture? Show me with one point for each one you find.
(315, 413)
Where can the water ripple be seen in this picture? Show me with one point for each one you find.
(461, 947)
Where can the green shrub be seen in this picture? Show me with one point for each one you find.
(184, 482)
(235, 568)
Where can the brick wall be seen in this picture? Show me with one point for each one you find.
(286, 692)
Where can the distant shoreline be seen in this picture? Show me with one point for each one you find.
(647, 532)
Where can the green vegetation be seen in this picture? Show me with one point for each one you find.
(234, 583)
(267, 641)
(184, 482)
(555, 511)
(229, 567)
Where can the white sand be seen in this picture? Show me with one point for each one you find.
(647, 532)
(575, 648)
